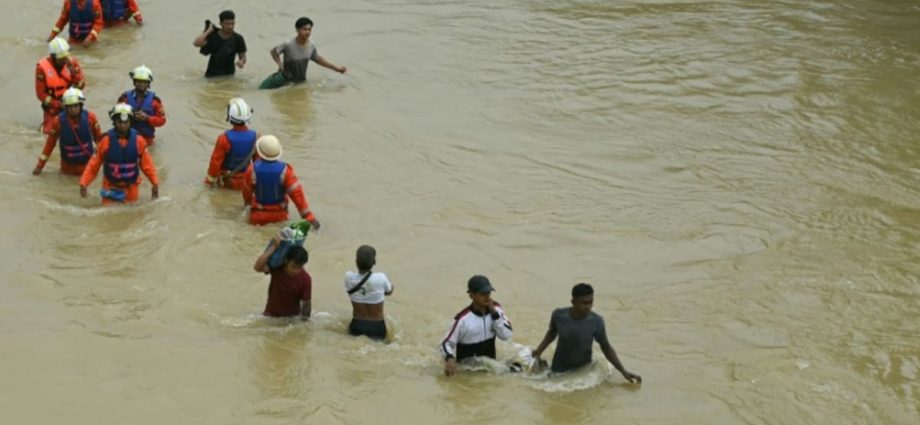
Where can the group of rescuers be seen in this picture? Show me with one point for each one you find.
(242, 160)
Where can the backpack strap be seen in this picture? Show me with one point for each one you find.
(361, 283)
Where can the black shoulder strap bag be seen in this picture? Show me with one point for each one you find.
(361, 283)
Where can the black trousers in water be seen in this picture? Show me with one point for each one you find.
(373, 329)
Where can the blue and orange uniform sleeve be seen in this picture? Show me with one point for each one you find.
(50, 143)
(62, 20)
(98, 21)
(92, 167)
(221, 147)
(159, 113)
(147, 166)
(41, 89)
(295, 191)
(246, 189)
(135, 12)
(94, 126)
(79, 80)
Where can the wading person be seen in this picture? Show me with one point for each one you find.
(53, 76)
(475, 328)
(268, 183)
(84, 18)
(222, 45)
(119, 12)
(290, 288)
(293, 57)
(148, 108)
(123, 154)
(577, 328)
(367, 289)
(78, 131)
(234, 148)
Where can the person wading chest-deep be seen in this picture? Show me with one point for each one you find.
(290, 288)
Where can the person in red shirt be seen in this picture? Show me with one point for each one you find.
(124, 155)
(268, 183)
(119, 12)
(234, 149)
(148, 108)
(85, 18)
(78, 129)
(289, 292)
(55, 74)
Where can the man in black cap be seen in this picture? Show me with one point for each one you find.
(475, 327)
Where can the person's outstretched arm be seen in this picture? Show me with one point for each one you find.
(611, 356)
(322, 61)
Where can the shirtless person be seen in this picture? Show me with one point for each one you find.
(367, 289)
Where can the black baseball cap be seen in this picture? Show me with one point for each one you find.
(479, 284)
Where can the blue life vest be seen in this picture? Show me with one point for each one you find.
(122, 163)
(269, 187)
(142, 127)
(76, 145)
(81, 20)
(241, 144)
(113, 10)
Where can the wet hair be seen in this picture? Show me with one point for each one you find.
(226, 15)
(366, 257)
(581, 290)
(303, 21)
(297, 254)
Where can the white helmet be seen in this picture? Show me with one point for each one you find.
(142, 73)
(269, 148)
(73, 96)
(238, 111)
(121, 112)
(59, 48)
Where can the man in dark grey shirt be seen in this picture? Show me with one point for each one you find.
(577, 327)
(298, 52)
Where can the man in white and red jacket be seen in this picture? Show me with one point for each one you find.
(475, 327)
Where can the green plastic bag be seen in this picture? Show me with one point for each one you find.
(273, 81)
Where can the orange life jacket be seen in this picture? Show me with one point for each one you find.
(56, 83)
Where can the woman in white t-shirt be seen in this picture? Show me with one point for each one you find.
(367, 290)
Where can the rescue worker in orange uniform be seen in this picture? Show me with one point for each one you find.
(268, 183)
(85, 18)
(123, 153)
(53, 76)
(119, 12)
(148, 108)
(234, 149)
(78, 130)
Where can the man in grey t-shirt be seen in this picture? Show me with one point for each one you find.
(298, 52)
(577, 327)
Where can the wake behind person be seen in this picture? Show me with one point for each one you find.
(367, 289)
(577, 328)
(290, 289)
(222, 45)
